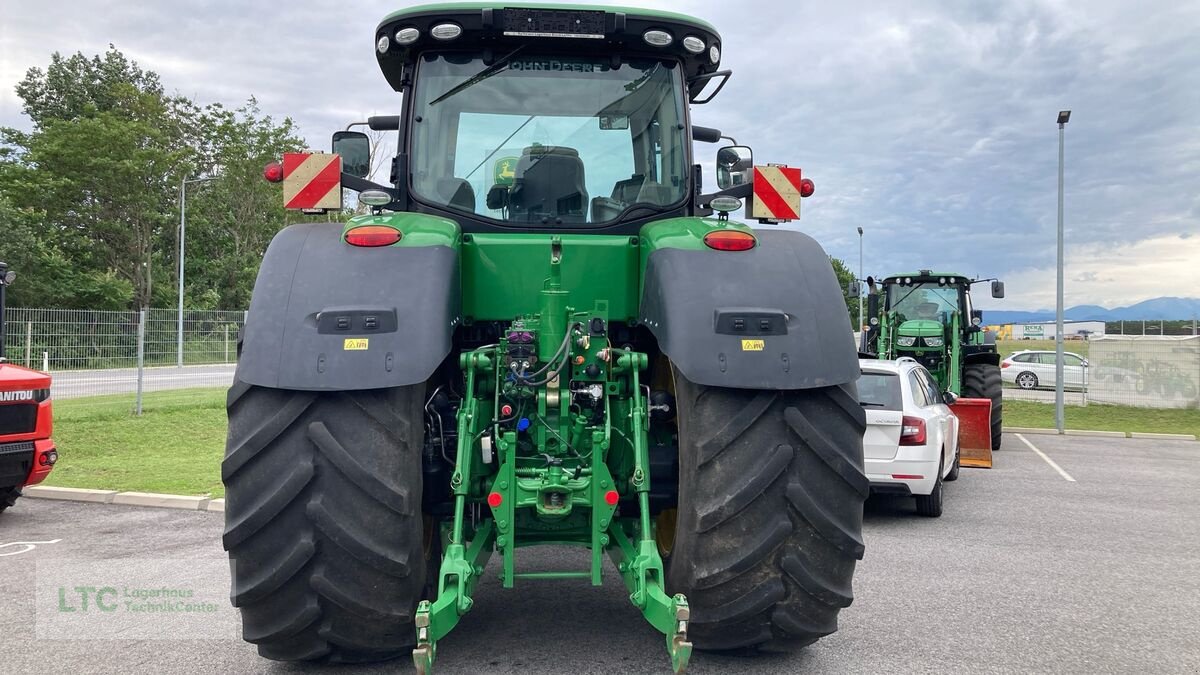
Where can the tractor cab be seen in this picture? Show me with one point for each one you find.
(548, 118)
(928, 316)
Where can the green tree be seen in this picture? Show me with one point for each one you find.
(233, 218)
(845, 276)
(47, 278)
(97, 183)
(76, 86)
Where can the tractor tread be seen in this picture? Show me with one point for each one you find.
(326, 549)
(391, 496)
(763, 597)
(824, 522)
(757, 478)
(344, 532)
(824, 589)
(268, 505)
(982, 380)
(284, 626)
(824, 448)
(735, 425)
(270, 428)
(257, 587)
(770, 513)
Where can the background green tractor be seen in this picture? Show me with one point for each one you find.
(927, 316)
(541, 334)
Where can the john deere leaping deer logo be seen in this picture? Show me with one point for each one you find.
(504, 171)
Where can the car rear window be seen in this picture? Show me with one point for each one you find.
(879, 390)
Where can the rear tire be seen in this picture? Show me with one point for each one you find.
(982, 380)
(930, 505)
(769, 525)
(323, 520)
(8, 497)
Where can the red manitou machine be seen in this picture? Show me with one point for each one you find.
(26, 452)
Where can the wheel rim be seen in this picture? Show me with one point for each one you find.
(664, 531)
(1026, 381)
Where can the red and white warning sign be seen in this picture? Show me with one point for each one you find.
(776, 193)
(312, 180)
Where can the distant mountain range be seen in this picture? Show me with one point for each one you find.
(1168, 309)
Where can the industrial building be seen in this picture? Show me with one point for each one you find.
(1047, 330)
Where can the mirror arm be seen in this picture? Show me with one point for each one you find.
(362, 184)
(742, 192)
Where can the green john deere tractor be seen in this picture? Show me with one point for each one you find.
(544, 332)
(927, 316)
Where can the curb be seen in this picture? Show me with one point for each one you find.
(1102, 434)
(1165, 437)
(147, 499)
(69, 494)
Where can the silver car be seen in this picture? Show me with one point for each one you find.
(1033, 369)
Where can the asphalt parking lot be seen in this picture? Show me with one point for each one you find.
(1091, 567)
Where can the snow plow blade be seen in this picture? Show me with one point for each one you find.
(974, 432)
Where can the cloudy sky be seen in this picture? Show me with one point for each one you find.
(929, 124)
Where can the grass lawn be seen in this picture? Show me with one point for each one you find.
(175, 447)
(1103, 418)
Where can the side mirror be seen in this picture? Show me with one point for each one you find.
(355, 149)
(949, 398)
(735, 166)
(997, 289)
(853, 289)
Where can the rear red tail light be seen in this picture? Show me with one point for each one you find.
(372, 235)
(912, 431)
(1005, 364)
(729, 240)
(273, 172)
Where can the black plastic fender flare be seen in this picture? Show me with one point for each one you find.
(794, 330)
(327, 316)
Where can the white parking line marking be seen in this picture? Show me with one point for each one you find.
(29, 546)
(1049, 461)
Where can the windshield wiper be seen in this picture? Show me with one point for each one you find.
(482, 75)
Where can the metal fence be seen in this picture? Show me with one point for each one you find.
(1132, 370)
(93, 353)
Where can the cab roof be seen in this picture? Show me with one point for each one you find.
(926, 275)
(545, 27)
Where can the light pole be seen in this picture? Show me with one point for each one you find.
(182, 236)
(1064, 116)
(860, 280)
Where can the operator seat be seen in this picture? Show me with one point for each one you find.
(548, 185)
(456, 192)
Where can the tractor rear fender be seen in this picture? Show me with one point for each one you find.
(772, 317)
(329, 316)
(991, 358)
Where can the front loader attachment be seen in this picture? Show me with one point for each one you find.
(974, 432)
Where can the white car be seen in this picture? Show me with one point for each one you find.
(1032, 369)
(911, 442)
